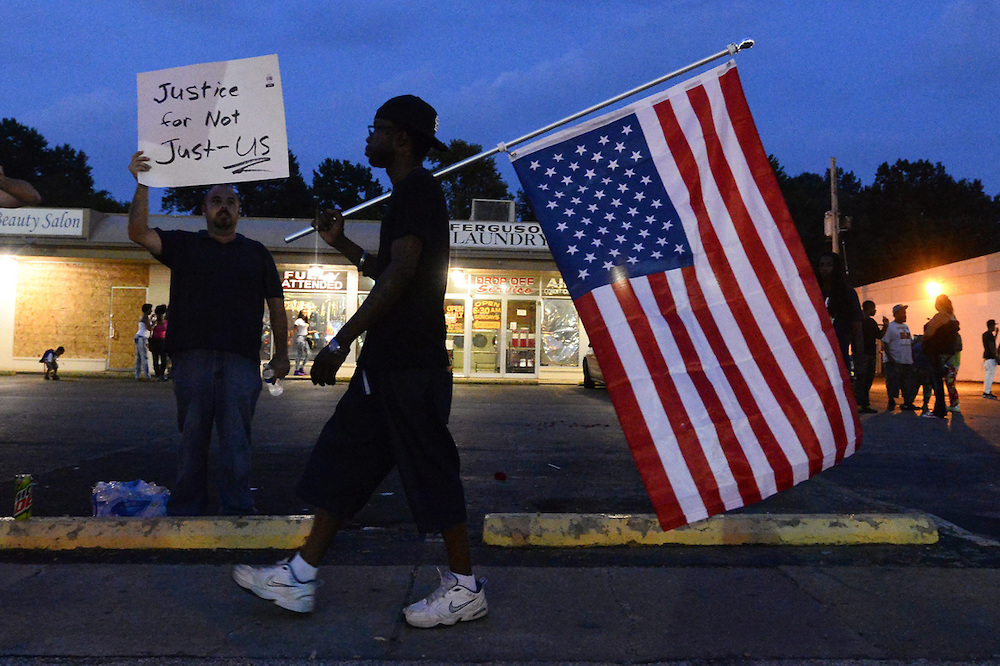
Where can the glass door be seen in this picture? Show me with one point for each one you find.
(520, 335)
(484, 353)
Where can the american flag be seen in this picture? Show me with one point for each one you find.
(668, 226)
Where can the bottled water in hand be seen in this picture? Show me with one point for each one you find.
(274, 386)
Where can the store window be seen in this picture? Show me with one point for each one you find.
(324, 315)
(560, 333)
(454, 319)
(560, 324)
(321, 296)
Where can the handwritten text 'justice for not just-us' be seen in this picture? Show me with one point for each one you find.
(255, 148)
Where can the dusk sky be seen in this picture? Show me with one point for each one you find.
(865, 82)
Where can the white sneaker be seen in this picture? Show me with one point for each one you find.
(277, 583)
(448, 604)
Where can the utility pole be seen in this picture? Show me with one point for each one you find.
(831, 221)
(834, 211)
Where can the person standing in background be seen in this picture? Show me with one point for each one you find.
(300, 338)
(899, 378)
(951, 373)
(989, 359)
(938, 344)
(864, 357)
(141, 339)
(158, 342)
(921, 373)
(841, 304)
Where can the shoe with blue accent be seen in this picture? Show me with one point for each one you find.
(277, 583)
(449, 604)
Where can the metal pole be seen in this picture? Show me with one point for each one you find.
(732, 49)
(834, 210)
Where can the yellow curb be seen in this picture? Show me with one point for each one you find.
(499, 529)
(561, 530)
(167, 533)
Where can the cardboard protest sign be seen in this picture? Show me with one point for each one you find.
(217, 122)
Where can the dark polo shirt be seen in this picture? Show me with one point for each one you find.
(217, 291)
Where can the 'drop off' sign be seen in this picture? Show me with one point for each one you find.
(218, 122)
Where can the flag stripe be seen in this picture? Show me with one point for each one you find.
(799, 353)
(757, 435)
(668, 442)
(813, 385)
(750, 392)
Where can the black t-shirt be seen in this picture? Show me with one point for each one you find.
(869, 334)
(989, 345)
(412, 333)
(217, 291)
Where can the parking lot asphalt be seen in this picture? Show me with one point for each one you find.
(561, 453)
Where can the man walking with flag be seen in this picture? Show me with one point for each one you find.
(395, 411)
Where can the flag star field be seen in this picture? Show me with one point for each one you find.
(608, 214)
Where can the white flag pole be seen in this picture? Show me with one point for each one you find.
(732, 49)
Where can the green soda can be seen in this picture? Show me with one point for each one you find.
(22, 496)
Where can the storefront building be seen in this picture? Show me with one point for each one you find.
(81, 285)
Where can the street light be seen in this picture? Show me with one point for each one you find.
(933, 288)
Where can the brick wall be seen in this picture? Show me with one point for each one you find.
(68, 303)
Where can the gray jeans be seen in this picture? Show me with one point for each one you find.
(220, 389)
(141, 357)
(900, 380)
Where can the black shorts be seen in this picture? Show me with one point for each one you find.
(386, 419)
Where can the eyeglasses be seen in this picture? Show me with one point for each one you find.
(379, 128)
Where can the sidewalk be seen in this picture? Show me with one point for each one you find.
(538, 615)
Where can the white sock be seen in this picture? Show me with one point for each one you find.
(302, 570)
(468, 582)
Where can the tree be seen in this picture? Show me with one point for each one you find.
(60, 174)
(524, 210)
(478, 180)
(915, 216)
(286, 197)
(283, 197)
(184, 199)
(341, 184)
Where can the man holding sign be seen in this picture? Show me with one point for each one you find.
(395, 411)
(216, 359)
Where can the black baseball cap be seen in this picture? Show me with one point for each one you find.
(413, 114)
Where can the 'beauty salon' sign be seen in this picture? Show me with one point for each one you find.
(66, 223)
